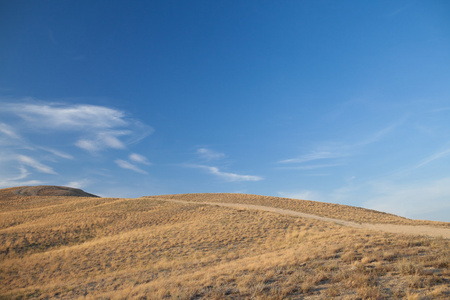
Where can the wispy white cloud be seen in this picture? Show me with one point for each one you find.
(311, 167)
(335, 151)
(19, 179)
(110, 139)
(315, 155)
(56, 116)
(93, 128)
(139, 159)
(379, 135)
(23, 174)
(33, 132)
(127, 165)
(90, 146)
(426, 161)
(57, 153)
(12, 183)
(209, 154)
(78, 184)
(31, 162)
(225, 175)
(8, 131)
(433, 157)
(102, 140)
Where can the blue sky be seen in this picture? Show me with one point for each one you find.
(338, 101)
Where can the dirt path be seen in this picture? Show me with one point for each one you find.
(391, 228)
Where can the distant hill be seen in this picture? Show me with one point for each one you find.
(45, 190)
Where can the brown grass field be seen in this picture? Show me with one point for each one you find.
(150, 248)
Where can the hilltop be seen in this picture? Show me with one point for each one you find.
(44, 190)
(331, 210)
(194, 246)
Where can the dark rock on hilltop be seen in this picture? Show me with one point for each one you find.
(50, 190)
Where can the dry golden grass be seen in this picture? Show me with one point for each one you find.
(67, 247)
(337, 211)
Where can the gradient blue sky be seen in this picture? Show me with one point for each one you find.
(337, 101)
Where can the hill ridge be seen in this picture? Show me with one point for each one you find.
(430, 231)
(322, 209)
(44, 190)
(161, 247)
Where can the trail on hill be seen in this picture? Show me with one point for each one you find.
(391, 228)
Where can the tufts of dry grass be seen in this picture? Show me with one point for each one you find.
(337, 211)
(63, 247)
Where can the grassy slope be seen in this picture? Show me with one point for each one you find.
(344, 212)
(101, 247)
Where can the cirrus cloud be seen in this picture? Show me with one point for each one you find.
(58, 116)
(129, 166)
(39, 139)
(139, 159)
(225, 175)
(29, 161)
(93, 128)
(209, 154)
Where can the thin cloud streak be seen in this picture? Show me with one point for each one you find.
(9, 131)
(19, 180)
(343, 150)
(379, 135)
(227, 176)
(102, 141)
(316, 155)
(129, 166)
(433, 157)
(59, 116)
(23, 174)
(11, 183)
(31, 162)
(209, 154)
(311, 167)
(78, 184)
(57, 153)
(428, 160)
(139, 159)
(90, 146)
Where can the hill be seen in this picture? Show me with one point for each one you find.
(338, 211)
(157, 248)
(47, 190)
